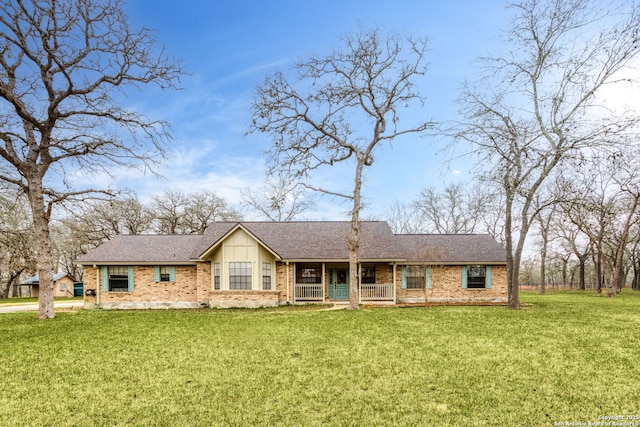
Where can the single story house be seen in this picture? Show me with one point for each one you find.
(62, 286)
(251, 264)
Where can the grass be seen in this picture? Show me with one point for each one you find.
(565, 357)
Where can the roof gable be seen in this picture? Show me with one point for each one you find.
(220, 238)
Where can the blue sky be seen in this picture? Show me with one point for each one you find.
(229, 46)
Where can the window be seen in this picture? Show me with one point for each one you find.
(415, 277)
(216, 276)
(368, 275)
(62, 287)
(476, 276)
(118, 278)
(266, 276)
(164, 273)
(308, 273)
(239, 275)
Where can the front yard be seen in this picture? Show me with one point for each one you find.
(568, 357)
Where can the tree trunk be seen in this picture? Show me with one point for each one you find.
(543, 269)
(635, 285)
(354, 240)
(513, 261)
(598, 271)
(581, 260)
(44, 261)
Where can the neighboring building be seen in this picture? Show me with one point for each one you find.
(62, 286)
(251, 264)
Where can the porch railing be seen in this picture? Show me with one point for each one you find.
(376, 292)
(308, 292)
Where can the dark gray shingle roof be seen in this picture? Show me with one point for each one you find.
(452, 248)
(311, 240)
(308, 240)
(143, 248)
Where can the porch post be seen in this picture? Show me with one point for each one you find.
(322, 282)
(287, 281)
(394, 283)
(359, 283)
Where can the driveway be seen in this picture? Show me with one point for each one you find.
(8, 308)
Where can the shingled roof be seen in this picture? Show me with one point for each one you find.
(304, 240)
(452, 248)
(310, 240)
(144, 248)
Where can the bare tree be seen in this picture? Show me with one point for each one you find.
(168, 211)
(538, 105)
(89, 224)
(452, 210)
(573, 240)
(203, 208)
(404, 218)
(348, 102)
(63, 67)
(16, 241)
(281, 199)
(175, 212)
(606, 208)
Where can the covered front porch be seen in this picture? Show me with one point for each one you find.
(329, 282)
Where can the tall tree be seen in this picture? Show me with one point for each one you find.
(542, 102)
(63, 67)
(338, 109)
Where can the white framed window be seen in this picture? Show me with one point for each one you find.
(240, 275)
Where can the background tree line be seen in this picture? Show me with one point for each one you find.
(84, 226)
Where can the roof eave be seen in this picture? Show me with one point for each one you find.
(144, 263)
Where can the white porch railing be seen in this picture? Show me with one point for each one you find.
(307, 292)
(376, 292)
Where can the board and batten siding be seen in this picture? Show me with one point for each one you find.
(242, 247)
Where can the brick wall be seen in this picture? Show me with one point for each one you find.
(446, 286)
(193, 288)
(281, 282)
(146, 292)
(243, 298)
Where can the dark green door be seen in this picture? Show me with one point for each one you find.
(339, 283)
(78, 289)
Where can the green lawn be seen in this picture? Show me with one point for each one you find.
(567, 357)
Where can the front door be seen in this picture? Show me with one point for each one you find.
(339, 283)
